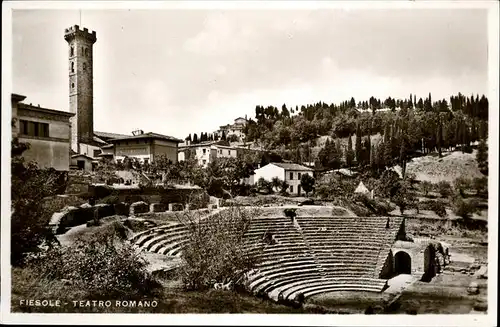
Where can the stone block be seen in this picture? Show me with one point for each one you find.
(122, 209)
(175, 207)
(138, 207)
(156, 207)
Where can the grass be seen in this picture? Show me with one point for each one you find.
(26, 286)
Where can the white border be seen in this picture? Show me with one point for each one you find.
(253, 319)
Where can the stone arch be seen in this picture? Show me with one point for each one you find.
(402, 263)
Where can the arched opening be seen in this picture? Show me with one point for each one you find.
(72, 52)
(402, 263)
(86, 52)
(72, 67)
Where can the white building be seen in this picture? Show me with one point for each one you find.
(289, 172)
(207, 152)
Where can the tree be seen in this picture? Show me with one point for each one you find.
(276, 183)
(403, 197)
(307, 183)
(30, 185)
(349, 154)
(264, 186)
(215, 251)
(195, 138)
(357, 147)
(482, 157)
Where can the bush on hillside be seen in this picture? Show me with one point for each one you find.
(462, 185)
(437, 206)
(444, 188)
(481, 185)
(100, 268)
(30, 185)
(426, 187)
(388, 184)
(462, 208)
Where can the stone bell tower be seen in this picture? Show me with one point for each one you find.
(81, 88)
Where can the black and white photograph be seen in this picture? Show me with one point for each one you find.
(264, 162)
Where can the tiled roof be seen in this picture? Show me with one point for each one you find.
(290, 166)
(109, 135)
(146, 136)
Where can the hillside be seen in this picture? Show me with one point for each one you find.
(452, 165)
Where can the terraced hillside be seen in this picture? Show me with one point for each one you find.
(307, 256)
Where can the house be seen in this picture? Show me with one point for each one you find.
(202, 152)
(362, 189)
(144, 146)
(46, 130)
(289, 172)
(83, 162)
(207, 152)
(234, 129)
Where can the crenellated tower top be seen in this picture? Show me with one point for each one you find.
(75, 32)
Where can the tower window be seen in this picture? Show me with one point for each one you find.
(72, 52)
(82, 51)
(86, 52)
(84, 66)
(72, 67)
(72, 85)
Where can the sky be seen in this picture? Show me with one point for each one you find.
(182, 71)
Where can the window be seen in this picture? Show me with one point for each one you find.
(31, 128)
(84, 66)
(97, 152)
(204, 151)
(86, 52)
(299, 175)
(204, 161)
(291, 175)
(118, 161)
(82, 51)
(229, 152)
(72, 52)
(146, 161)
(291, 188)
(72, 85)
(72, 67)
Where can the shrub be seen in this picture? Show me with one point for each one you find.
(463, 208)
(481, 185)
(214, 252)
(425, 187)
(264, 186)
(462, 184)
(100, 268)
(437, 206)
(111, 199)
(29, 217)
(444, 188)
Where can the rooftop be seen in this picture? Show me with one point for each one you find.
(107, 135)
(290, 166)
(44, 110)
(149, 135)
